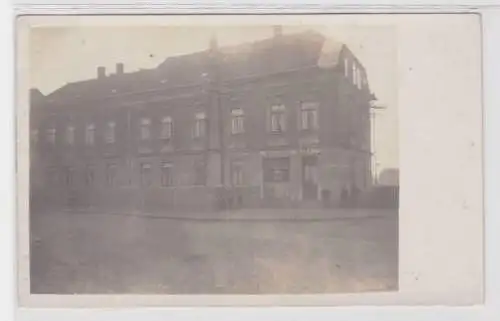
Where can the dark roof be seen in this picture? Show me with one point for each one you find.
(280, 53)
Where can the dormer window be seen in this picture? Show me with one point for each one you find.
(360, 79)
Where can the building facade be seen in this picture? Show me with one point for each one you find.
(280, 122)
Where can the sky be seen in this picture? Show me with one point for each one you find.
(59, 55)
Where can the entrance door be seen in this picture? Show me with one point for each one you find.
(310, 178)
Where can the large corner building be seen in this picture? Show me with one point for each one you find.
(280, 122)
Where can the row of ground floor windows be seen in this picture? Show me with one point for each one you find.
(274, 170)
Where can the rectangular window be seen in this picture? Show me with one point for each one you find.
(354, 74)
(309, 116)
(166, 128)
(199, 173)
(145, 129)
(166, 174)
(346, 68)
(90, 134)
(89, 175)
(70, 173)
(200, 125)
(111, 175)
(51, 135)
(237, 174)
(359, 79)
(70, 135)
(109, 135)
(146, 176)
(237, 121)
(277, 169)
(278, 119)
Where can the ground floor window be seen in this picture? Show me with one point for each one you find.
(111, 174)
(237, 174)
(69, 176)
(200, 173)
(276, 169)
(146, 175)
(166, 174)
(89, 175)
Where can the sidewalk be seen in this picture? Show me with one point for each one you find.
(259, 214)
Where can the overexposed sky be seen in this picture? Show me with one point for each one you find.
(59, 55)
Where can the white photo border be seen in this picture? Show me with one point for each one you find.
(489, 311)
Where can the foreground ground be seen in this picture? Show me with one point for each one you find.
(294, 251)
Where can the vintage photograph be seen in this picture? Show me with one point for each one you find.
(213, 159)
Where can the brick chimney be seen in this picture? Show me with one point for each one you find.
(101, 72)
(120, 68)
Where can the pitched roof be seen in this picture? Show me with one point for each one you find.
(281, 53)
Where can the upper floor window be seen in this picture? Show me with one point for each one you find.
(200, 125)
(166, 128)
(278, 119)
(90, 134)
(237, 121)
(346, 68)
(51, 135)
(309, 116)
(110, 135)
(276, 169)
(166, 174)
(70, 135)
(145, 129)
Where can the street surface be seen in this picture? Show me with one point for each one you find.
(239, 252)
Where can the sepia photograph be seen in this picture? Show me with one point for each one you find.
(249, 160)
(228, 159)
(234, 160)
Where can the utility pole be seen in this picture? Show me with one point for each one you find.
(374, 107)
